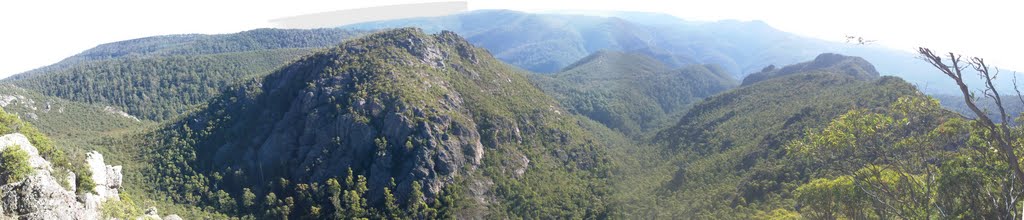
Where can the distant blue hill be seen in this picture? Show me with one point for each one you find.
(547, 43)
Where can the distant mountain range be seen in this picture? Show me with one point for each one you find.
(546, 43)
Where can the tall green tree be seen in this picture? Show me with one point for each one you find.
(417, 206)
(248, 199)
(354, 201)
(830, 199)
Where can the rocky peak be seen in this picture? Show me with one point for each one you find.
(398, 104)
(108, 178)
(383, 105)
(824, 63)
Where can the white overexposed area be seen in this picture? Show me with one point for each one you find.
(41, 32)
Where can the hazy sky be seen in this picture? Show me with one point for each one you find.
(41, 32)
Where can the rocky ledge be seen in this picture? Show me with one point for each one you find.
(41, 196)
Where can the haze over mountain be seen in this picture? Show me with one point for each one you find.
(542, 42)
(547, 43)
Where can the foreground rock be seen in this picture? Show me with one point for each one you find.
(41, 196)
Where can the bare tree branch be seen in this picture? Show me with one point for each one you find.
(1017, 89)
(1000, 132)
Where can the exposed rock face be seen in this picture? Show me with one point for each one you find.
(17, 99)
(114, 111)
(308, 125)
(107, 178)
(397, 104)
(40, 196)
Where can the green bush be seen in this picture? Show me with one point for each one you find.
(14, 164)
(84, 179)
(125, 208)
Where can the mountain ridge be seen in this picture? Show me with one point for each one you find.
(158, 78)
(827, 62)
(546, 43)
(193, 44)
(728, 153)
(421, 109)
(632, 92)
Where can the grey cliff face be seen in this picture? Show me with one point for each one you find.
(313, 125)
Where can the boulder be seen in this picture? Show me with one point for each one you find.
(107, 178)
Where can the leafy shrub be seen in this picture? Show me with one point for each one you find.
(125, 208)
(14, 164)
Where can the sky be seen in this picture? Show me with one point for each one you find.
(42, 32)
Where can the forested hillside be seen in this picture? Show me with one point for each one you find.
(398, 123)
(159, 78)
(728, 157)
(74, 127)
(632, 93)
(822, 143)
(198, 44)
(157, 88)
(1013, 104)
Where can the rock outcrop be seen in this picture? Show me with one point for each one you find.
(307, 125)
(41, 196)
(107, 178)
(421, 109)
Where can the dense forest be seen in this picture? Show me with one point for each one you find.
(159, 78)
(632, 93)
(157, 88)
(199, 44)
